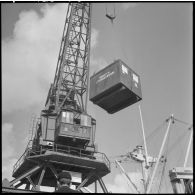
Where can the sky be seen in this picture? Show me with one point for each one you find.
(154, 39)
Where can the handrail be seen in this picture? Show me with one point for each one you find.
(62, 149)
(19, 162)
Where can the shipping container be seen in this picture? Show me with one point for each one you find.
(115, 87)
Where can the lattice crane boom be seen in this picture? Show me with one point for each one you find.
(70, 87)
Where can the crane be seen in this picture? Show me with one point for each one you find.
(64, 134)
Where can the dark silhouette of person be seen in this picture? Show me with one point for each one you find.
(64, 182)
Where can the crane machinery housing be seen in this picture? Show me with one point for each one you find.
(64, 133)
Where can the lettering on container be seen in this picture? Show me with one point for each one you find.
(104, 76)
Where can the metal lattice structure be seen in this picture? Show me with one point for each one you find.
(70, 87)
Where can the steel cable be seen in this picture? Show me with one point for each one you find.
(178, 120)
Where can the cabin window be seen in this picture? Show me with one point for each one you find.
(50, 129)
(86, 120)
(50, 134)
(43, 126)
(51, 123)
(67, 117)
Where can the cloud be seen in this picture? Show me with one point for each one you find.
(97, 64)
(7, 128)
(29, 58)
(126, 6)
(8, 151)
(7, 168)
(7, 132)
(94, 37)
(120, 184)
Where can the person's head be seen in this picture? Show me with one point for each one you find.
(64, 178)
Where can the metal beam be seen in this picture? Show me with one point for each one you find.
(85, 180)
(41, 176)
(127, 177)
(95, 186)
(143, 131)
(18, 185)
(188, 149)
(102, 185)
(31, 182)
(88, 47)
(87, 189)
(159, 155)
(27, 186)
(30, 172)
(53, 170)
(13, 190)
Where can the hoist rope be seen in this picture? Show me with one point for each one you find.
(106, 7)
(114, 13)
(178, 120)
(115, 34)
(154, 132)
(167, 150)
(118, 40)
(125, 178)
(165, 182)
(114, 9)
(122, 48)
(182, 136)
(111, 15)
(122, 160)
(182, 150)
(161, 170)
